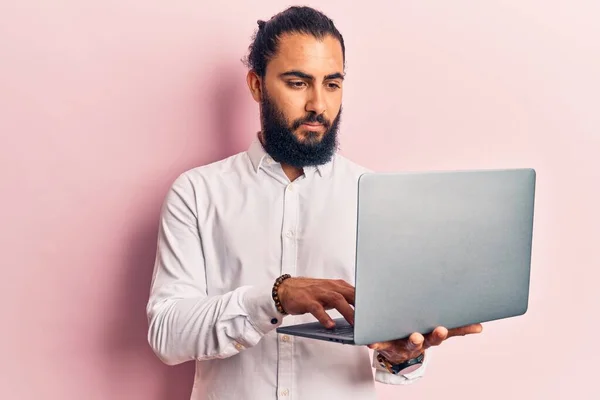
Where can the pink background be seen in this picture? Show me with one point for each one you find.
(104, 102)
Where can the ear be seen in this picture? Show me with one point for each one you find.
(255, 85)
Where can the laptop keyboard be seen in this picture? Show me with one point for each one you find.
(341, 331)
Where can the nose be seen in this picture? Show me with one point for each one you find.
(316, 101)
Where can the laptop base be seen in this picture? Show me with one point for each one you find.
(314, 330)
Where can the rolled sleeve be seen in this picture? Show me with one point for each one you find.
(262, 313)
(382, 375)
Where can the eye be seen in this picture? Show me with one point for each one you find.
(333, 86)
(296, 84)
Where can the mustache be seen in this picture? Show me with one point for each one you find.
(311, 118)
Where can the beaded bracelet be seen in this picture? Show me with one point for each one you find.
(275, 293)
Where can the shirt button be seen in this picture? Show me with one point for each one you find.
(290, 187)
(289, 234)
(285, 338)
(238, 346)
(285, 392)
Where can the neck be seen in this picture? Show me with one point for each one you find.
(292, 173)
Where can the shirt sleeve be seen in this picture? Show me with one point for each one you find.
(184, 322)
(382, 375)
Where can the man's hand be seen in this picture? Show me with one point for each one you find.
(307, 295)
(398, 351)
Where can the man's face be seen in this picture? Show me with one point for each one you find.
(301, 97)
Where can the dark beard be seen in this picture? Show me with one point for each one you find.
(280, 142)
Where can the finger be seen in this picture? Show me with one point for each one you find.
(337, 301)
(343, 283)
(465, 330)
(319, 313)
(415, 342)
(404, 348)
(347, 291)
(436, 337)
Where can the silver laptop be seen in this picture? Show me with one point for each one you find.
(436, 248)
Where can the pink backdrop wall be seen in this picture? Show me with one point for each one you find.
(103, 103)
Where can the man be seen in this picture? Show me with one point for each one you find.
(230, 233)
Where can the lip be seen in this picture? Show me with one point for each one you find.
(312, 127)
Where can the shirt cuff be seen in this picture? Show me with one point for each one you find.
(382, 375)
(262, 313)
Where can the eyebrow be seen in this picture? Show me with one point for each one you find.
(300, 74)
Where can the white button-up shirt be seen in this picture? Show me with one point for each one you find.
(227, 231)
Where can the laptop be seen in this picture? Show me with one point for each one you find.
(436, 248)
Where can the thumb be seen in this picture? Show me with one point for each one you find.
(374, 346)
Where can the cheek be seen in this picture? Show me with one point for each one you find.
(335, 101)
(293, 107)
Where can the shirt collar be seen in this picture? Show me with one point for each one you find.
(259, 159)
(257, 154)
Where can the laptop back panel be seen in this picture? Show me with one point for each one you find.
(441, 248)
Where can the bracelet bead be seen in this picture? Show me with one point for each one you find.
(275, 292)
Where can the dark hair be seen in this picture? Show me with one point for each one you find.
(295, 19)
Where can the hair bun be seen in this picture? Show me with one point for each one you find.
(261, 24)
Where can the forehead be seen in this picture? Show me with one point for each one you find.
(308, 54)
